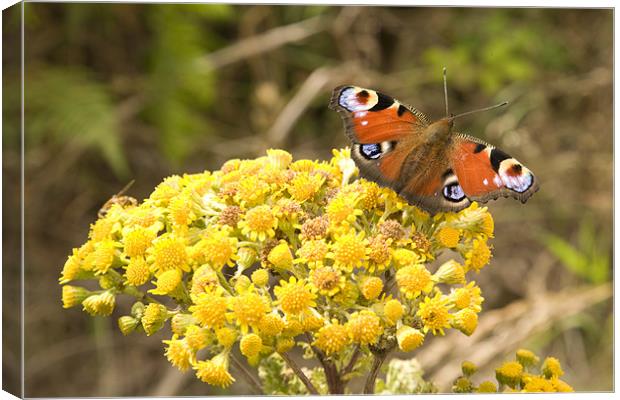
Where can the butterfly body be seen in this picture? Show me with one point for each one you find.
(428, 164)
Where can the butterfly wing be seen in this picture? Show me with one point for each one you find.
(381, 130)
(485, 173)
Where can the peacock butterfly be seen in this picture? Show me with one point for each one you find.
(427, 163)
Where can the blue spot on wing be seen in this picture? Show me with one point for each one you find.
(371, 151)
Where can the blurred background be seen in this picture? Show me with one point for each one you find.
(115, 93)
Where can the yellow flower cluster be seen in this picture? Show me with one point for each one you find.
(267, 253)
(519, 375)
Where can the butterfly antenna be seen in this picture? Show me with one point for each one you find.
(480, 110)
(445, 89)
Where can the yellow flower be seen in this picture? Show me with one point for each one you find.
(413, 280)
(182, 209)
(169, 253)
(305, 186)
(465, 321)
(166, 282)
(478, 256)
(180, 322)
(248, 309)
(450, 272)
(137, 272)
(210, 308)
(342, 209)
(487, 387)
(101, 229)
(284, 344)
(216, 248)
(535, 384)
(403, 258)
(251, 191)
(127, 324)
(327, 280)
(103, 257)
(226, 336)
(279, 158)
(204, 280)
(280, 256)
(73, 295)
(242, 283)
(347, 297)
(380, 253)
(292, 327)
(409, 338)
(312, 253)
(260, 277)
(551, 368)
(560, 386)
(332, 338)
(303, 166)
(99, 304)
(448, 236)
(178, 353)
(259, 223)
(71, 269)
(462, 385)
(467, 297)
(488, 226)
(371, 287)
(434, 314)
(527, 358)
(349, 251)
(509, 374)
(364, 327)
(295, 296)
(196, 337)
(468, 368)
(250, 345)
(393, 310)
(271, 325)
(214, 371)
(155, 315)
(138, 240)
(311, 320)
(166, 190)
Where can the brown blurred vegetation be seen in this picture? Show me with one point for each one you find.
(120, 92)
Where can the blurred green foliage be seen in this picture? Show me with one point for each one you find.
(589, 258)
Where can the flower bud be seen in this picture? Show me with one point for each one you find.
(73, 295)
(450, 273)
(127, 324)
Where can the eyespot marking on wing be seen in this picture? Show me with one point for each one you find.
(370, 151)
(515, 176)
(356, 99)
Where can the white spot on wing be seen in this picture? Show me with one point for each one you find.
(364, 123)
(485, 182)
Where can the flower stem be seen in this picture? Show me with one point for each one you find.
(352, 361)
(247, 375)
(299, 373)
(369, 387)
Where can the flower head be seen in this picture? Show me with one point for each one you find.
(167, 282)
(467, 296)
(250, 345)
(364, 327)
(371, 287)
(280, 256)
(210, 308)
(332, 338)
(349, 251)
(259, 223)
(409, 338)
(214, 371)
(327, 280)
(509, 373)
(466, 321)
(248, 309)
(434, 314)
(413, 280)
(99, 304)
(178, 353)
(169, 253)
(295, 296)
(154, 317)
(551, 368)
(312, 253)
(73, 295)
(393, 310)
(478, 256)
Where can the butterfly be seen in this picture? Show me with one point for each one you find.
(428, 164)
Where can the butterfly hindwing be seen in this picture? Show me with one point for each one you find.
(485, 172)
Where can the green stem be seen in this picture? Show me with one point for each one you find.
(304, 379)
